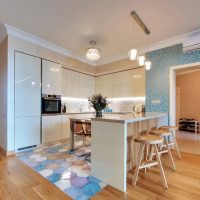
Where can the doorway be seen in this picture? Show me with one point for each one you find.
(184, 105)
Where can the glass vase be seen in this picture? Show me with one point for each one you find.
(98, 113)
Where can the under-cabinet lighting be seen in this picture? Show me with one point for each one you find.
(110, 99)
(73, 99)
(127, 99)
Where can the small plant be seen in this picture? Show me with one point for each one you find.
(98, 102)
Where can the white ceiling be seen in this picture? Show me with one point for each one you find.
(73, 23)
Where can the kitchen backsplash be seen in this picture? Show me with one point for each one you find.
(116, 106)
(124, 106)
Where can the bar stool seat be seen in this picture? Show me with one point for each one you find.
(169, 127)
(148, 139)
(153, 141)
(164, 148)
(173, 130)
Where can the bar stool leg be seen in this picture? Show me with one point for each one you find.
(141, 151)
(161, 168)
(151, 152)
(169, 153)
(176, 144)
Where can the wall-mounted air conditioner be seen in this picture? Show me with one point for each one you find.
(192, 43)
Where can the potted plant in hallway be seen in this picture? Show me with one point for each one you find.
(98, 102)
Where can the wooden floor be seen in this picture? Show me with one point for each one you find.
(19, 182)
(189, 142)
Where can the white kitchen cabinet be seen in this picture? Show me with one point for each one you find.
(104, 85)
(122, 84)
(87, 85)
(51, 78)
(79, 85)
(65, 127)
(27, 131)
(27, 100)
(51, 128)
(27, 85)
(138, 82)
(64, 82)
(92, 85)
(73, 84)
(130, 83)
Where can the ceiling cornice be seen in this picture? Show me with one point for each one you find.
(12, 31)
(2, 32)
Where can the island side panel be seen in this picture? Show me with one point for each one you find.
(109, 153)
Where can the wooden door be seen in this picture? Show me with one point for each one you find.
(178, 105)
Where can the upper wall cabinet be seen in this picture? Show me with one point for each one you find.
(64, 82)
(73, 84)
(130, 83)
(104, 85)
(87, 85)
(122, 84)
(78, 85)
(51, 78)
(138, 82)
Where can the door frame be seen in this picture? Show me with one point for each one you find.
(172, 89)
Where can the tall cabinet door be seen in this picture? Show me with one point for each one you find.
(27, 85)
(27, 100)
(51, 78)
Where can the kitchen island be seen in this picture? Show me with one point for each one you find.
(109, 144)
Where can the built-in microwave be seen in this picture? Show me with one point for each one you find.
(51, 104)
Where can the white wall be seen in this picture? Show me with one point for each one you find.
(3, 93)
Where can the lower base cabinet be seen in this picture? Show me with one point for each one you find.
(27, 132)
(65, 127)
(51, 128)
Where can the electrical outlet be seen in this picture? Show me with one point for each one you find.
(155, 101)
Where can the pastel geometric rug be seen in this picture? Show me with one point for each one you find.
(69, 172)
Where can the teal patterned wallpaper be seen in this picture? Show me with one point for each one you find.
(157, 79)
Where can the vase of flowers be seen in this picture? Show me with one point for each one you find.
(98, 102)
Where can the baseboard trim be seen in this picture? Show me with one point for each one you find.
(6, 153)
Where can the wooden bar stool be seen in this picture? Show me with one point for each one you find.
(173, 129)
(165, 147)
(153, 141)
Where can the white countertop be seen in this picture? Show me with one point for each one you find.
(120, 118)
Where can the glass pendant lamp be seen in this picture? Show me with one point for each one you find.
(132, 54)
(141, 60)
(147, 65)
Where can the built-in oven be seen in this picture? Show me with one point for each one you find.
(51, 104)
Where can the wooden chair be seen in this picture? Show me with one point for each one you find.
(86, 129)
(164, 148)
(152, 141)
(173, 130)
(79, 130)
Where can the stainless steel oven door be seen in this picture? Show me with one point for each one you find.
(51, 106)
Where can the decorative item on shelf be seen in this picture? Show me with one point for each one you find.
(133, 53)
(98, 102)
(93, 53)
